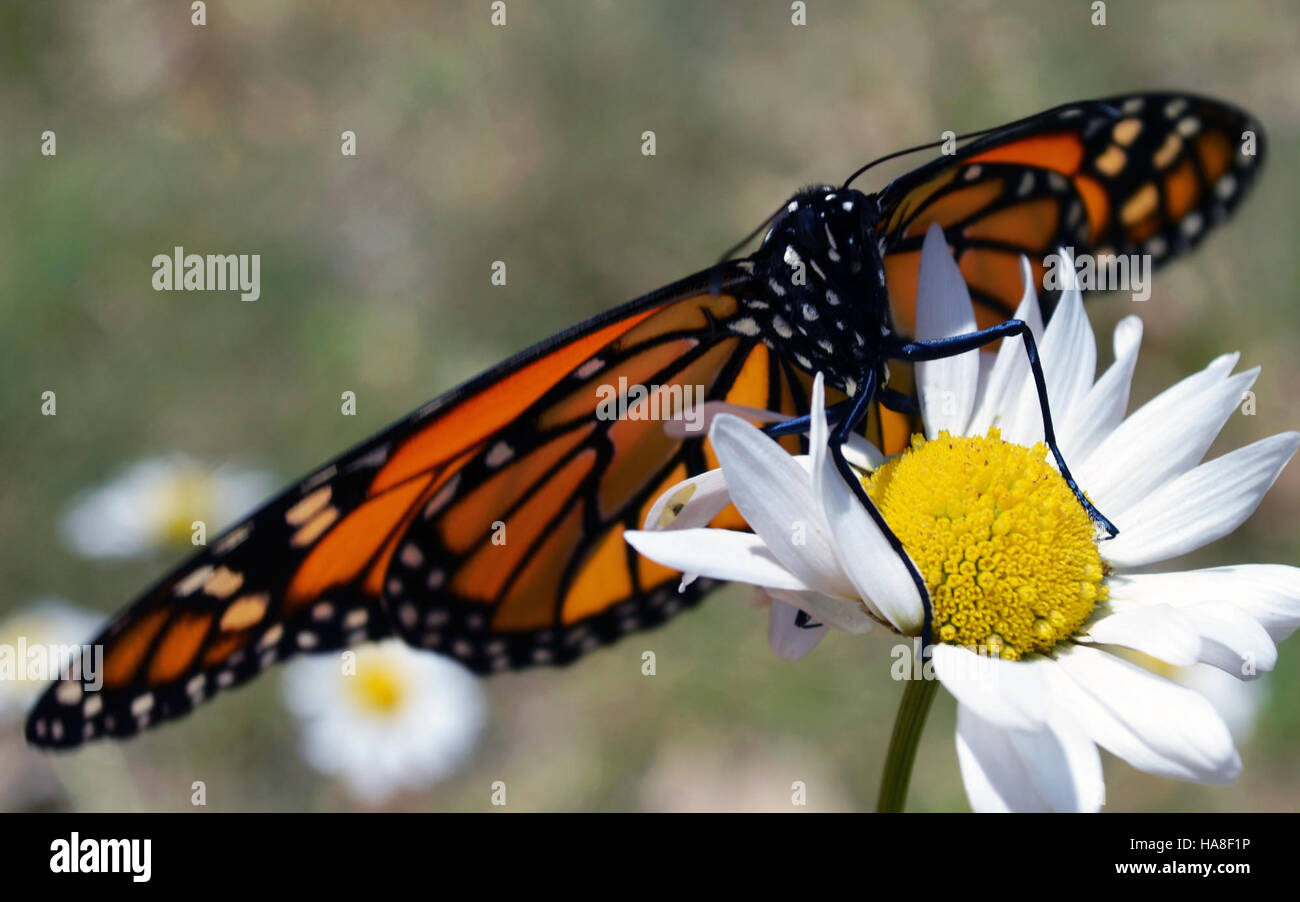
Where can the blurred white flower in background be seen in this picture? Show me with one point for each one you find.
(391, 719)
(154, 503)
(46, 622)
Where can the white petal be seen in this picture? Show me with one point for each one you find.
(716, 554)
(1001, 395)
(1232, 640)
(1200, 506)
(774, 495)
(1155, 629)
(1011, 694)
(865, 554)
(1068, 350)
(1270, 593)
(1165, 438)
(787, 640)
(1153, 724)
(701, 498)
(946, 386)
(1053, 768)
(1102, 409)
(847, 614)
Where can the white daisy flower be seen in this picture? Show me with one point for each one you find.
(154, 503)
(386, 719)
(50, 631)
(1027, 603)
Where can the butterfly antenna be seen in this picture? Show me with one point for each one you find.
(901, 153)
(751, 236)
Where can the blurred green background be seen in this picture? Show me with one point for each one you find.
(523, 144)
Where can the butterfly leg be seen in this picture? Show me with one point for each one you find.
(838, 437)
(799, 425)
(935, 349)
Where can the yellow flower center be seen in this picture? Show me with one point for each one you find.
(1007, 552)
(378, 687)
(187, 496)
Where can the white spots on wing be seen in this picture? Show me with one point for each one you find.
(589, 368)
(69, 692)
(192, 580)
(394, 587)
(196, 685)
(499, 454)
(847, 206)
(781, 327)
(1226, 187)
(1132, 105)
(542, 656)
(1192, 224)
(1188, 126)
(1175, 107)
(317, 478)
(825, 345)
(307, 640)
(442, 497)
(371, 459)
(411, 555)
(1157, 247)
(1057, 182)
(356, 618)
(830, 239)
(974, 172)
(436, 578)
(142, 704)
(832, 298)
(792, 257)
(94, 704)
(1026, 184)
(322, 611)
(817, 269)
(777, 288)
(745, 326)
(225, 679)
(271, 636)
(407, 615)
(809, 312)
(792, 206)
(233, 540)
(803, 361)
(436, 618)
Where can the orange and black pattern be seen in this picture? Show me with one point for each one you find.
(489, 524)
(1146, 174)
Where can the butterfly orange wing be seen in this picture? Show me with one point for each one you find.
(1141, 174)
(397, 534)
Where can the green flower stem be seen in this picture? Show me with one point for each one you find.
(908, 725)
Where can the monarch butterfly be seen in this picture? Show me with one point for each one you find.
(395, 535)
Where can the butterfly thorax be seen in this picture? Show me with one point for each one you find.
(820, 278)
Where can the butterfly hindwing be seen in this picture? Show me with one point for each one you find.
(1140, 174)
